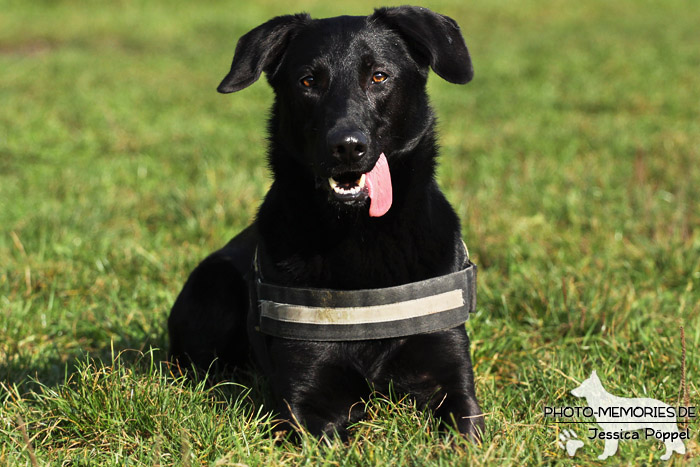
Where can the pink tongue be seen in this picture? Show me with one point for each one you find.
(378, 181)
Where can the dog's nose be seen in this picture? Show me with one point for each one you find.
(347, 146)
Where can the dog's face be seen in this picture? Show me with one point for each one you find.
(588, 387)
(342, 106)
(350, 94)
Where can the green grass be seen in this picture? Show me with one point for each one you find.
(573, 159)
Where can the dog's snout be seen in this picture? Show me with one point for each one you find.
(347, 146)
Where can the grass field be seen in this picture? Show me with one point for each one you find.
(573, 159)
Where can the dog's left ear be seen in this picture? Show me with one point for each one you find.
(435, 38)
(260, 50)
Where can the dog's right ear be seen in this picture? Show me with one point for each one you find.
(434, 38)
(260, 50)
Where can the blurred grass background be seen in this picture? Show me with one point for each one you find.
(572, 159)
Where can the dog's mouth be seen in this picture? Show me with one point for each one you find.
(348, 186)
(356, 187)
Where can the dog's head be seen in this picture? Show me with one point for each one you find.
(349, 94)
(590, 386)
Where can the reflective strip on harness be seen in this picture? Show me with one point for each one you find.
(345, 315)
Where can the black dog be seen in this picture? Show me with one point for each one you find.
(354, 205)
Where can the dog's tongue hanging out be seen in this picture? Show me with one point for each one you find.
(378, 182)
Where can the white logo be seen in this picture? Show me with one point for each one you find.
(622, 417)
(572, 445)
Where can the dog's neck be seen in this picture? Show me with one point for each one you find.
(599, 398)
(309, 243)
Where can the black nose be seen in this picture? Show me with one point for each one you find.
(347, 146)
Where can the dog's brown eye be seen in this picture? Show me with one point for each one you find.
(308, 81)
(379, 77)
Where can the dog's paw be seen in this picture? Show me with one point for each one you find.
(568, 442)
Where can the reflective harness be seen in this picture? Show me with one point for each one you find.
(314, 314)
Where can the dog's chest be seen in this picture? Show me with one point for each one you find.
(360, 264)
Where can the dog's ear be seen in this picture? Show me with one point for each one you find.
(260, 50)
(433, 38)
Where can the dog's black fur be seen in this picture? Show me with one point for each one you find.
(330, 118)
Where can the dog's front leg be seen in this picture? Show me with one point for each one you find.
(440, 378)
(315, 390)
(461, 410)
(609, 449)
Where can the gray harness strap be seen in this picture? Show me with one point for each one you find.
(314, 314)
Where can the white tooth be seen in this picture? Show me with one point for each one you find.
(342, 190)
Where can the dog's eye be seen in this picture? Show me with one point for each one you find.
(308, 81)
(379, 77)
